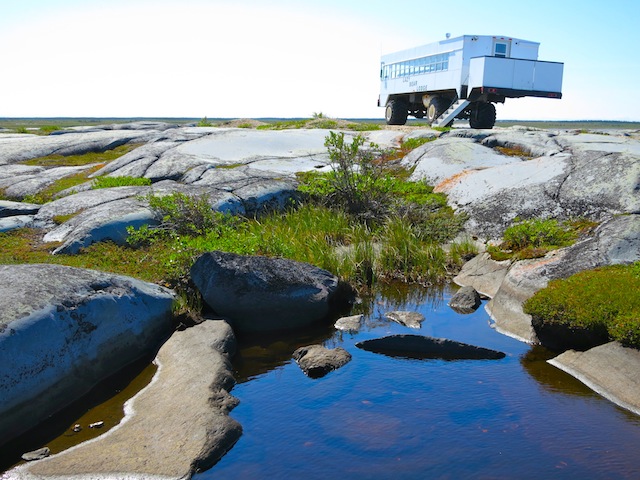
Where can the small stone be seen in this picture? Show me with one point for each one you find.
(466, 300)
(36, 454)
(99, 424)
(408, 319)
(77, 427)
(349, 324)
(316, 361)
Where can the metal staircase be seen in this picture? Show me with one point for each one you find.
(455, 108)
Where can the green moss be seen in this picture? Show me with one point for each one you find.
(602, 298)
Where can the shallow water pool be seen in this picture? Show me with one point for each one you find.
(380, 417)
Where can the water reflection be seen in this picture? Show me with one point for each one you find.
(549, 377)
(384, 417)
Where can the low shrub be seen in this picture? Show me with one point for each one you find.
(535, 237)
(178, 214)
(606, 297)
(204, 122)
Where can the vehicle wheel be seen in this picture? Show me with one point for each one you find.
(437, 105)
(484, 116)
(396, 112)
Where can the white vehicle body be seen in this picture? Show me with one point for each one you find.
(467, 73)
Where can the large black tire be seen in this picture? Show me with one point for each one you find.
(396, 112)
(484, 116)
(437, 105)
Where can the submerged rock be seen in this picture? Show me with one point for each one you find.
(408, 319)
(316, 361)
(465, 300)
(36, 454)
(349, 324)
(259, 294)
(417, 346)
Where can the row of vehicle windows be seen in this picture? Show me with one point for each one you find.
(433, 63)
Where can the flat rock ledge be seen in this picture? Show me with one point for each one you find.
(176, 426)
(610, 370)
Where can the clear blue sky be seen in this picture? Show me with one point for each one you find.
(284, 58)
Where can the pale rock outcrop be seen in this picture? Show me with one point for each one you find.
(593, 176)
(613, 242)
(15, 221)
(483, 273)
(17, 148)
(610, 369)
(64, 329)
(178, 425)
(9, 208)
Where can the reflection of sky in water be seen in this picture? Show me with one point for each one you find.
(381, 417)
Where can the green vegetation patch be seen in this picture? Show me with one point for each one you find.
(319, 121)
(535, 237)
(49, 193)
(110, 182)
(604, 298)
(88, 158)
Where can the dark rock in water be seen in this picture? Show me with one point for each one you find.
(417, 346)
(465, 300)
(260, 294)
(408, 319)
(36, 454)
(316, 361)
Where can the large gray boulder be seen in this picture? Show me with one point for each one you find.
(260, 294)
(64, 329)
(176, 426)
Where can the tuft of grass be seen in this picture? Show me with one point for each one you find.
(534, 238)
(413, 143)
(47, 129)
(601, 299)
(110, 182)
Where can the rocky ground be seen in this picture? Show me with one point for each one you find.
(563, 174)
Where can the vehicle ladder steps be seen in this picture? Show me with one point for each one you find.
(450, 113)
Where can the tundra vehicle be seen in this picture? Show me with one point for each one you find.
(463, 77)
